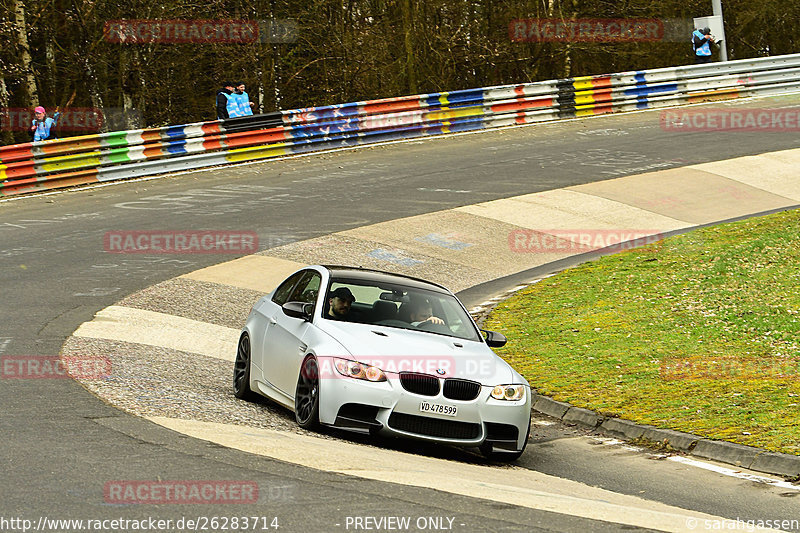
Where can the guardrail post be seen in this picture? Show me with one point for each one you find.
(723, 50)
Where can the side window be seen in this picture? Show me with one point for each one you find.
(281, 295)
(308, 288)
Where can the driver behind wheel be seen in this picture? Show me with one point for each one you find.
(339, 303)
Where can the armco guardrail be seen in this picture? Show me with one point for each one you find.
(31, 167)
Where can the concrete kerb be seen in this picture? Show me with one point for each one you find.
(748, 457)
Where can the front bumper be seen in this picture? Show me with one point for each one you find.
(388, 409)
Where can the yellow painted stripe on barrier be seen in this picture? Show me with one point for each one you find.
(582, 83)
(584, 100)
(454, 113)
(585, 112)
(3, 174)
(258, 152)
(443, 99)
(67, 157)
(72, 161)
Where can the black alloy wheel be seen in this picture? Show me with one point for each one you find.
(306, 398)
(241, 370)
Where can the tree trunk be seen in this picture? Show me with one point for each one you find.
(51, 91)
(94, 90)
(128, 118)
(411, 69)
(22, 42)
(7, 135)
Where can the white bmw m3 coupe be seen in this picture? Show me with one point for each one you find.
(379, 352)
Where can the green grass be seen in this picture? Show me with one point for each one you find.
(698, 333)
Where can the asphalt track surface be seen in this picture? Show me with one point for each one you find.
(62, 444)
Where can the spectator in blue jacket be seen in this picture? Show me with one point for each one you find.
(227, 105)
(42, 126)
(245, 105)
(701, 44)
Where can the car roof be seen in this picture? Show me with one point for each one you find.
(365, 274)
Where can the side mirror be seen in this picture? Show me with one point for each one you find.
(299, 310)
(494, 339)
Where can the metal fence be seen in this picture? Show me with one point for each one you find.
(32, 167)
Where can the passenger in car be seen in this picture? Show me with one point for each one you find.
(422, 312)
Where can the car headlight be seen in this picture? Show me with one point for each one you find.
(508, 392)
(354, 369)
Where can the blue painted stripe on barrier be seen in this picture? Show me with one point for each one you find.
(651, 89)
(640, 77)
(433, 100)
(466, 96)
(174, 131)
(355, 138)
(643, 104)
(343, 110)
(176, 147)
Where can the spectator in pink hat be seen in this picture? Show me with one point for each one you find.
(42, 125)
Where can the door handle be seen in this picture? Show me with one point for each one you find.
(273, 320)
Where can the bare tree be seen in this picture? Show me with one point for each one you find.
(25, 52)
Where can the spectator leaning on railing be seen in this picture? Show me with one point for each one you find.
(42, 126)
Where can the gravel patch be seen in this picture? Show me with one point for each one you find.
(152, 381)
(222, 305)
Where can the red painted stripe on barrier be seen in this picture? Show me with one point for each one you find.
(153, 152)
(519, 90)
(211, 127)
(601, 82)
(65, 146)
(214, 143)
(20, 169)
(69, 179)
(521, 105)
(389, 107)
(151, 135)
(16, 152)
(600, 96)
(602, 110)
(272, 135)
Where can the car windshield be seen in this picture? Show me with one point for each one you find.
(398, 306)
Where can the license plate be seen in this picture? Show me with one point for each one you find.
(438, 408)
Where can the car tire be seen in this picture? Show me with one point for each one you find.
(503, 456)
(241, 370)
(306, 396)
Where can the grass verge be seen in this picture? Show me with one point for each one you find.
(698, 333)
